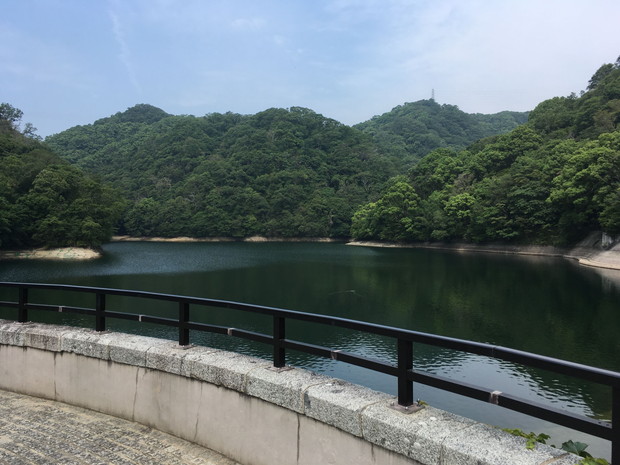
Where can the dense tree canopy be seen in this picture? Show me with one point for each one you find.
(550, 181)
(422, 172)
(277, 173)
(44, 201)
(412, 130)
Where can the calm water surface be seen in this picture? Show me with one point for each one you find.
(548, 306)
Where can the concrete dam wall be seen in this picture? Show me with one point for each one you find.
(241, 406)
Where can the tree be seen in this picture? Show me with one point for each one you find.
(604, 71)
(10, 116)
(458, 209)
(279, 165)
(585, 190)
(394, 217)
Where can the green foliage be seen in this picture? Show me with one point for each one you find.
(410, 131)
(596, 112)
(10, 119)
(291, 173)
(10, 115)
(593, 461)
(141, 113)
(550, 181)
(44, 201)
(390, 218)
(532, 438)
(577, 448)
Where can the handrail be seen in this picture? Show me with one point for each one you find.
(403, 370)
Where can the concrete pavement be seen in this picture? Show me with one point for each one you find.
(34, 431)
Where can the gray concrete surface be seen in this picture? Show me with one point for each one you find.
(237, 405)
(34, 431)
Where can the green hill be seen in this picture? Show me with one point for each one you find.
(550, 181)
(291, 173)
(277, 173)
(44, 201)
(412, 130)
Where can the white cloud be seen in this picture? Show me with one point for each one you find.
(488, 56)
(125, 53)
(347, 59)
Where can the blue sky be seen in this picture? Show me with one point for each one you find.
(69, 62)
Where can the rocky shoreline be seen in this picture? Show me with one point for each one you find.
(64, 253)
(589, 252)
(222, 239)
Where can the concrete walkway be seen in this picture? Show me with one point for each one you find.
(34, 431)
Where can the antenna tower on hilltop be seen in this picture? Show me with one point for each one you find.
(433, 95)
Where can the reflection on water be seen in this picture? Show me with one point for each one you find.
(542, 305)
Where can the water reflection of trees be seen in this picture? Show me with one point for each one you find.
(542, 306)
(529, 383)
(546, 306)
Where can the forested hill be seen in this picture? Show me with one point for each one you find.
(276, 173)
(291, 173)
(550, 181)
(44, 201)
(412, 130)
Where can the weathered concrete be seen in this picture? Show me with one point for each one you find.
(34, 431)
(242, 408)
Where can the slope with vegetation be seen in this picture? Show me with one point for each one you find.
(412, 130)
(276, 173)
(290, 173)
(549, 181)
(45, 201)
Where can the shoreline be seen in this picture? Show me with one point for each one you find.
(81, 253)
(585, 253)
(63, 253)
(223, 239)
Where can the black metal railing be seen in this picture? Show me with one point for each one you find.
(403, 370)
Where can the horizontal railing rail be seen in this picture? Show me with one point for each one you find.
(403, 369)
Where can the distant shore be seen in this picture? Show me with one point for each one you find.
(78, 253)
(586, 252)
(222, 239)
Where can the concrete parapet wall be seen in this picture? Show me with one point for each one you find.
(243, 408)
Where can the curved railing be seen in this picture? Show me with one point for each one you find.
(403, 370)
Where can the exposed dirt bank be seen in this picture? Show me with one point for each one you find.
(222, 239)
(588, 252)
(65, 253)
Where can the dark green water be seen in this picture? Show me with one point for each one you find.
(548, 306)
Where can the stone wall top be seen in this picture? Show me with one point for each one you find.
(430, 436)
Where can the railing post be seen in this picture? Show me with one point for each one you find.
(183, 319)
(615, 425)
(405, 363)
(279, 355)
(22, 310)
(100, 312)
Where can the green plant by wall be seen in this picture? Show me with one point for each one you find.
(577, 448)
(532, 438)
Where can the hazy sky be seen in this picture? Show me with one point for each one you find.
(69, 62)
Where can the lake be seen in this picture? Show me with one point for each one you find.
(549, 306)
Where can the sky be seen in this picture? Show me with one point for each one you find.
(71, 62)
